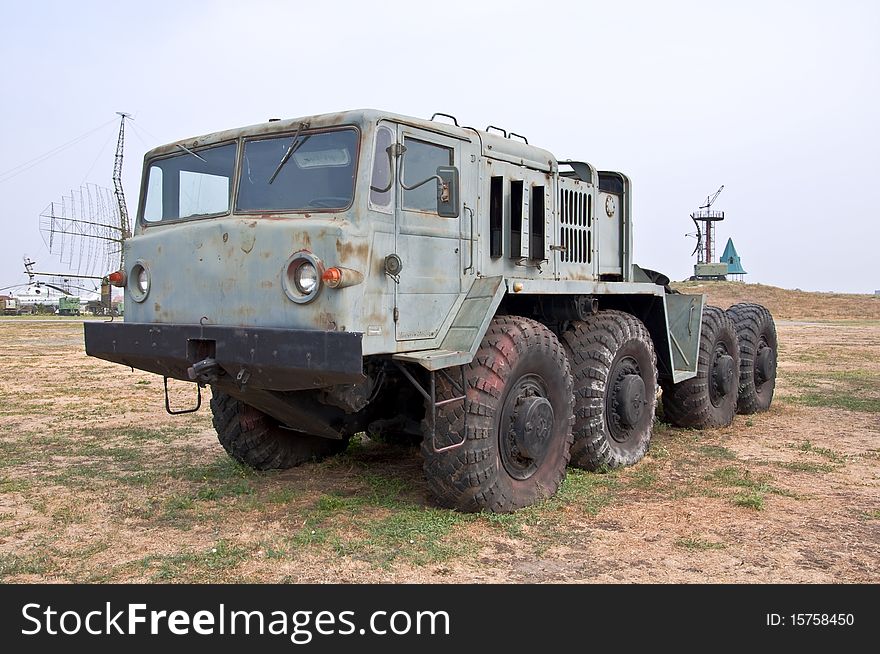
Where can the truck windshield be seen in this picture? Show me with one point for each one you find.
(314, 173)
(192, 183)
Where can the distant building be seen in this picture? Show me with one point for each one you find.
(8, 305)
(734, 265)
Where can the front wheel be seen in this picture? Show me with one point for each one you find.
(259, 441)
(519, 417)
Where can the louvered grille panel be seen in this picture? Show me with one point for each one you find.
(575, 223)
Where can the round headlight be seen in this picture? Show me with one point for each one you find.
(306, 278)
(139, 283)
(301, 277)
(143, 281)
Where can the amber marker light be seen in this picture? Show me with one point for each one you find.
(116, 278)
(339, 277)
(332, 277)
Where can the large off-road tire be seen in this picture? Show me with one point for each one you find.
(756, 337)
(709, 399)
(615, 388)
(519, 411)
(257, 440)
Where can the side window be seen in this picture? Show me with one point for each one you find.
(419, 163)
(380, 182)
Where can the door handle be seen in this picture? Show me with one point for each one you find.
(471, 213)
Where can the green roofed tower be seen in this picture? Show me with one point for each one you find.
(731, 258)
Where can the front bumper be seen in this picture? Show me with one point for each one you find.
(264, 358)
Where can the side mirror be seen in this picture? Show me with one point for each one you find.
(447, 192)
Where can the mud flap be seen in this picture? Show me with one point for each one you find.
(683, 320)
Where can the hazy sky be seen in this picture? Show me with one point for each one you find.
(778, 101)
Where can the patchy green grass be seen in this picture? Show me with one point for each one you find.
(10, 485)
(805, 466)
(643, 477)
(588, 491)
(379, 527)
(177, 503)
(142, 478)
(67, 515)
(419, 535)
(658, 451)
(195, 566)
(838, 400)
(87, 470)
(32, 564)
(743, 478)
(582, 493)
(807, 446)
(853, 390)
(699, 544)
(280, 496)
(716, 452)
(222, 469)
(749, 500)
(754, 487)
(511, 523)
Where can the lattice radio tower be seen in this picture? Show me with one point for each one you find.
(124, 228)
(87, 227)
(705, 249)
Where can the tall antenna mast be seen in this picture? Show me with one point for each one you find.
(705, 249)
(88, 226)
(704, 220)
(124, 228)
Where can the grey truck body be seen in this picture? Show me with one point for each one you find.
(528, 234)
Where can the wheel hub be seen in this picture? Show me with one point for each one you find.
(630, 400)
(765, 366)
(532, 424)
(723, 375)
(526, 427)
(625, 399)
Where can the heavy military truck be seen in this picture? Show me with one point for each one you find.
(366, 271)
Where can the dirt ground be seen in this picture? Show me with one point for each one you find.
(99, 484)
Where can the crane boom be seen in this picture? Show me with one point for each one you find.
(710, 200)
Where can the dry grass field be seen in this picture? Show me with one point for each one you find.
(99, 484)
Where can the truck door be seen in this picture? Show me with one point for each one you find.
(427, 244)
(611, 221)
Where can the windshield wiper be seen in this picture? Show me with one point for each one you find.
(294, 146)
(188, 151)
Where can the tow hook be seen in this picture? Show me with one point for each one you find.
(205, 371)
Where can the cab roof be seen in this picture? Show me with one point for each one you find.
(492, 145)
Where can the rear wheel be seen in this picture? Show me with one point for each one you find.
(756, 338)
(251, 437)
(615, 386)
(709, 399)
(519, 416)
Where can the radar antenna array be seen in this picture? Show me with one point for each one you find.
(86, 228)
